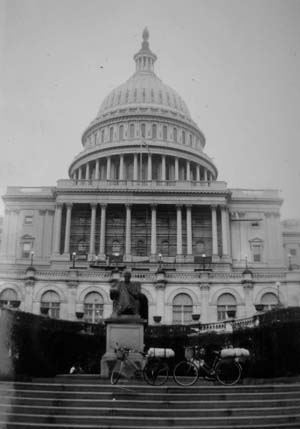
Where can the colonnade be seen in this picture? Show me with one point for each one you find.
(179, 230)
(170, 168)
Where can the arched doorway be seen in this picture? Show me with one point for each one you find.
(144, 307)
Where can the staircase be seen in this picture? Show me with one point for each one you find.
(89, 402)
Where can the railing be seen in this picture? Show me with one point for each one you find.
(133, 184)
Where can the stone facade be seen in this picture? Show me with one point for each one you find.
(143, 194)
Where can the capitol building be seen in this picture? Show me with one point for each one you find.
(143, 195)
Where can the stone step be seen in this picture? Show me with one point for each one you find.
(54, 401)
(117, 410)
(99, 405)
(148, 421)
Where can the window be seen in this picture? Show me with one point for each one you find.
(116, 247)
(257, 250)
(93, 307)
(183, 136)
(121, 132)
(9, 298)
(50, 304)
(191, 140)
(143, 130)
(165, 132)
(175, 134)
(255, 224)
(182, 309)
(269, 300)
(293, 252)
(154, 131)
(226, 306)
(26, 246)
(102, 136)
(111, 134)
(131, 131)
(141, 248)
(28, 220)
(165, 248)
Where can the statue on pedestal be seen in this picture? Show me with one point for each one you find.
(126, 296)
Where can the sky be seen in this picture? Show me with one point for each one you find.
(236, 63)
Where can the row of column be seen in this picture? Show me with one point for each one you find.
(189, 234)
(81, 174)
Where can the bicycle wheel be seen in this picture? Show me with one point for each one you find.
(185, 373)
(115, 376)
(156, 373)
(228, 372)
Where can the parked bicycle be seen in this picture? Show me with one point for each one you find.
(153, 369)
(225, 366)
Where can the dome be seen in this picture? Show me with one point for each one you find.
(145, 90)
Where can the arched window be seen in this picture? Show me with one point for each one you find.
(182, 309)
(50, 300)
(116, 247)
(165, 248)
(165, 132)
(143, 130)
(269, 300)
(121, 132)
(175, 134)
(183, 136)
(131, 131)
(154, 131)
(93, 307)
(102, 136)
(111, 134)
(226, 306)
(9, 298)
(191, 140)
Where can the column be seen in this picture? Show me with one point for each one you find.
(97, 170)
(153, 229)
(179, 231)
(189, 230)
(205, 175)
(135, 167)
(198, 173)
(87, 171)
(163, 167)
(108, 167)
(121, 170)
(128, 230)
(79, 173)
(228, 228)
(57, 230)
(224, 231)
(68, 229)
(149, 166)
(93, 228)
(214, 230)
(102, 230)
(188, 170)
(176, 169)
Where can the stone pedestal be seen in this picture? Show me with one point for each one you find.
(126, 331)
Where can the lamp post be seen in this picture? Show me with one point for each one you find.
(73, 259)
(290, 262)
(159, 260)
(31, 257)
(203, 260)
(116, 255)
(278, 293)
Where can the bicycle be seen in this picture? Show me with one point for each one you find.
(226, 370)
(153, 370)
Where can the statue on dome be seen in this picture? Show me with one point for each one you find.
(126, 296)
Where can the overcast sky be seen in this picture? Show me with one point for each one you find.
(235, 63)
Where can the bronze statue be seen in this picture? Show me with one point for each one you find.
(126, 296)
